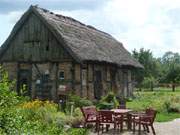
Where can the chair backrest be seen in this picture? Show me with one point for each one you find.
(89, 110)
(105, 116)
(152, 113)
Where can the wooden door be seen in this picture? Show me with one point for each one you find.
(113, 80)
(97, 84)
(24, 82)
(125, 84)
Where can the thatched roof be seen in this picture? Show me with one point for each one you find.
(85, 42)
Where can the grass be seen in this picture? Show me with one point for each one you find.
(163, 117)
(166, 102)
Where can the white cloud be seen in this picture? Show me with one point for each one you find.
(137, 23)
(7, 22)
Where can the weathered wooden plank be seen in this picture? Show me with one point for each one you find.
(34, 42)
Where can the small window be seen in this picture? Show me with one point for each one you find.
(61, 75)
(47, 48)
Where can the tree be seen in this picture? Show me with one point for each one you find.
(151, 67)
(171, 68)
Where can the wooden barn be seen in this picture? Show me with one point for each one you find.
(52, 55)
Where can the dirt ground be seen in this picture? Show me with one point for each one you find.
(161, 128)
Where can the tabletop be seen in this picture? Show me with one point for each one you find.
(121, 110)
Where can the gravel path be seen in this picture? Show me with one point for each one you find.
(168, 128)
(161, 128)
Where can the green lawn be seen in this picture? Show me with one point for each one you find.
(166, 102)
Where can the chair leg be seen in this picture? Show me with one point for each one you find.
(98, 128)
(107, 127)
(102, 128)
(133, 127)
(154, 133)
(139, 129)
(147, 128)
(115, 126)
(144, 127)
(84, 124)
(121, 128)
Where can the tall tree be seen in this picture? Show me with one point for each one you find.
(151, 67)
(171, 68)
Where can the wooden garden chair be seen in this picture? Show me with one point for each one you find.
(145, 119)
(90, 115)
(105, 117)
(118, 119)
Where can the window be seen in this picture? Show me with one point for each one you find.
(61, 75)
(47, 48)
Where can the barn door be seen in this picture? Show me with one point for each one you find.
(98, 84)
(24, 82)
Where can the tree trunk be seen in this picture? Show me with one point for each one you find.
(173, 87)
(152, 86)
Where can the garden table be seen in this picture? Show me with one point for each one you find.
(125, 112)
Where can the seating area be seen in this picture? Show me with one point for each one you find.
(119, 120)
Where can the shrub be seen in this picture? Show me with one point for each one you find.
(172, 104)
(8, 97)
(77, 112)
(108, 102)
(78, 101)
(76, 122)
(18, 115)
(37, 103)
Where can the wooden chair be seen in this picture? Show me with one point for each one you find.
(118, 119)
(145, 119)
(122, 105)
(90, 115)
(105, 117)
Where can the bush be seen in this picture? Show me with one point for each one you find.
(77, 112)
(105, 105)
(18, 115)
(172, 104)
(149, 82)
(8, 97)
(108, 102)
(78, 101)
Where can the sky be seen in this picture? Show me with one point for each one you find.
(149, 24)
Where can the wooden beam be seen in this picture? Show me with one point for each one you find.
(81, 91)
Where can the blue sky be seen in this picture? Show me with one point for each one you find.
(152, 24)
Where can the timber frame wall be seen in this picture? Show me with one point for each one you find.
(79, 79)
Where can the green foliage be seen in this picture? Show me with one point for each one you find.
(172, 104)
(151, 66)
(156, 70)
(77, 112)
(108, 102)
(18, 115)
(149, 83)
(78, 101)
(170, 63)
(8, 97)
(164, 102)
